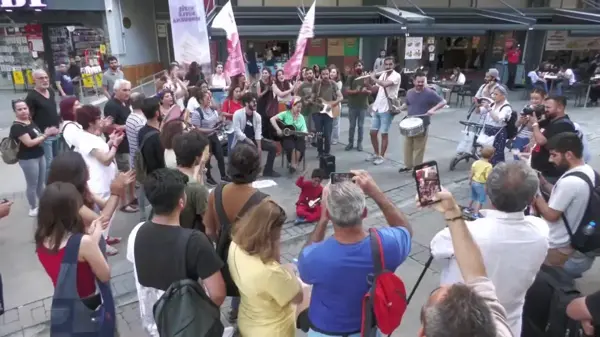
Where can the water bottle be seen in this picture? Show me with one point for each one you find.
(589, 228)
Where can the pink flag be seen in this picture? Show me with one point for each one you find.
(307, 31)
(235, 60)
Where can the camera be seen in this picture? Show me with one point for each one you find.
(538, 109)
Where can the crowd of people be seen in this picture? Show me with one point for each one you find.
(82, 166)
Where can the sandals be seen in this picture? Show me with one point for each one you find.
(129, 209)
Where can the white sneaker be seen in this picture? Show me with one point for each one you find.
(371, 157)
(33, 212)
(378, 161)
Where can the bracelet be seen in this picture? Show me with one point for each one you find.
(454, 219)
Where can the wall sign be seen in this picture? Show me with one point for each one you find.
(14, 4)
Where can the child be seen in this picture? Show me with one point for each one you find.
(479, 173)
(308, 207)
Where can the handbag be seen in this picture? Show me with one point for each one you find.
(394, 104)
(487, 140)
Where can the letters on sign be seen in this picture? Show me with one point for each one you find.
(10, 4)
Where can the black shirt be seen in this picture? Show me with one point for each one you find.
(119, 112)
(74, 71)
(540, 156)
(158, 255)
(153, 151)
(43, 111)
(25, 152)
(592, 302)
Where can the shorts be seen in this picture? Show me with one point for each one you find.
(122, 162)
(478, 192)
(381, 122)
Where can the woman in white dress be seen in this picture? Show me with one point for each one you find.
(219, 83)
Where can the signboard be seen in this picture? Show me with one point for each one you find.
(560, 40)
(414, 48)
(15, 4)
(189, 32)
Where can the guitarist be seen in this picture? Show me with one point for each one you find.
(293, 145)
(325, 92)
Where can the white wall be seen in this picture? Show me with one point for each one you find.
(136, 45)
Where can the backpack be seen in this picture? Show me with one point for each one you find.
(581, 241)
(511, 124)
(9, 148)
(185, 310)
(61, 143)
(385, 303)
(224, 240)
(140, 163)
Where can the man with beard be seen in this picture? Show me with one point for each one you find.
(358, 91)
(304, 90)
(555, 121)
(247, 128)
(111, 76)
(325, 92)
(568, 202)
(149, 145)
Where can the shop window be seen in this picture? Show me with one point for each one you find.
(279, 49)
(16, 59)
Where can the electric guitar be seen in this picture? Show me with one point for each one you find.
(331, 109)
(313, 203)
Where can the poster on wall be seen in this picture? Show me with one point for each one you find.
(189, 31)
(413, 48)
(560, 40)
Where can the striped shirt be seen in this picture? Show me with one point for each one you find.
(134, 123)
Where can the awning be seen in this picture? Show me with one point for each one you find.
(388, 21)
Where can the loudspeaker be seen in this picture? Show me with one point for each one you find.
(327, 163)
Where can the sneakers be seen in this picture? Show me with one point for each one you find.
(378, 161)
(33, 212)
(349, 147)
(359, 148)
(299, 221)
(371, 157)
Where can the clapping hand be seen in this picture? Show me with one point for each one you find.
(98, 225)
(123, 179)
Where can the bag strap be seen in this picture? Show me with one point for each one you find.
(145, 138)
(591, 186)
(376, 251)
(254, 200)
(223, 220)
(182, 243)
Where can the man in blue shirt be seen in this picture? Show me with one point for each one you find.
(338, 267)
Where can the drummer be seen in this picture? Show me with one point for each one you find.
(421, 102)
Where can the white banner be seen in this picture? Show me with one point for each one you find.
(189, 31)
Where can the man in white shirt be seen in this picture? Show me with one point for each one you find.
(568, 200)
(513, 245)
(389, 84)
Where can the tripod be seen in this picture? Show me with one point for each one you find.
(412, 292)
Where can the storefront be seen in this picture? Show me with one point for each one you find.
(45, 34)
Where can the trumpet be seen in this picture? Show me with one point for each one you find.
(369, 75)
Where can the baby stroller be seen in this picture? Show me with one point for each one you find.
(468, 148)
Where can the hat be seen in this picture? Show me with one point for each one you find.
(493, 72)
(295, 100)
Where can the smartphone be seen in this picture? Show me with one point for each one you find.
(338, 177)
(427, 178)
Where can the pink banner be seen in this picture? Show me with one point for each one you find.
(225, 20)
(292, 67)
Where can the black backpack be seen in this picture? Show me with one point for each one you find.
(61, 143)
(224, 240)
(185, 310)
(511, 124)
(580, 240)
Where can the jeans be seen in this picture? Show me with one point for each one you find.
(141, 196)
(230, 137)
(323, 127)
(578, 263)
(335, 129)
(217, 151)
(381, 121)
(49, 146)
(35, 178)
(357, 119)
(520, 143)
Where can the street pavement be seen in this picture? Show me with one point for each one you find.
(28, 290)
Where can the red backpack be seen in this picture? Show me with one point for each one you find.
(385, 303)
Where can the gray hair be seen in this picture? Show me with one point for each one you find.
(345, 204)
(461, 312)
(137, 100)
(512, 186)
(120, 83)
(38, 72)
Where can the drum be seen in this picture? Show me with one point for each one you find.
(412, 127)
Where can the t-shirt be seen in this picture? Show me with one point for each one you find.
(461, 79)
(418, 103)
(360, 100)
(134, 123)
(43, 110)
(66, 83)
(74, 71)
(119, 112)
(109, 78)
(338, 273)
(195, 206)
(481, 170)
(153, 152)
(236, 196)
(570, 76)
(266, 290)
(381, 103)
(325, 90)
(158, 259)
(308, 191)
(192, 104)
(570, 195)
(72, 133)
(287, 117)
(101, 176)
(305, 91)
(26, 152)
(540, 156)
(484, 287)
